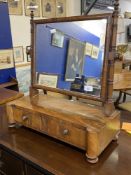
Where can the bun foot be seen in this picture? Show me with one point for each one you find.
(18, 125)
(94, 160)
(11, 125)
(116, 136)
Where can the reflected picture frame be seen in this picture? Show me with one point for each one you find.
(18, 54)
(48, 80)
(95, 52)
(6, 59)
(88, 49)
(75, 59)
(58, 39)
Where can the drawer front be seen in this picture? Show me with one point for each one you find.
(51, 126)
(64, 131)
(36, 121)
(72, 134)
(22, 116)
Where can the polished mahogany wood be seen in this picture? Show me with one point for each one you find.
(73, 122)
(7, 95)
(62, 159)
(90, 128)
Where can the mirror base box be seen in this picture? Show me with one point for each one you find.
(83, 126)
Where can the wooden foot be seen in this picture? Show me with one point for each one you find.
(11, 125)
(94, 160)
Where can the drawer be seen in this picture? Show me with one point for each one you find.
(64, 131)
(72, 134)
(28, 118)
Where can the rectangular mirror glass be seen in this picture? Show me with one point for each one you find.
(70, 55)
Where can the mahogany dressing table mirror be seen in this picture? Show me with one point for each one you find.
(69, 57)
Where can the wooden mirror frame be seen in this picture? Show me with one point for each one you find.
(108, 66)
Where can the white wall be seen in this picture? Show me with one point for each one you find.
(125, 5)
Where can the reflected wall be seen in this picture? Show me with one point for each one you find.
(70, 55)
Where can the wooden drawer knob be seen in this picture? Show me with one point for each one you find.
(65, 132)
(24, 118)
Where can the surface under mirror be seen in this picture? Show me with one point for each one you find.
(70, 55)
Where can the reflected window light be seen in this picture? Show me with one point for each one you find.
(127, 127)
(110, 8)
(32, 7)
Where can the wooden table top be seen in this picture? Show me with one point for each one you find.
(122, 81)
(62, 159)
(7, 95)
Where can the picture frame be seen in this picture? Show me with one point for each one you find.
(58, 39)
(88, 49)
(92, 81)
(32, 3)
(48, 8)
(95, 52)
(48, 80)
(15, 7)
(6, 59)
(75, 59)
(100, 4)
(18, 54)
(60, 8)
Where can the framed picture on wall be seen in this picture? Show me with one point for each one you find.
(60, 8)
(88, 49)
(100, 4)
(95, 52)
(75, 59)
(49, 80)
(58, 38)
(6, 59)
(15, 7)
(32, 3)
(48, 8)
(18, 54)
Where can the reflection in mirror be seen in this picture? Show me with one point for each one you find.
(70, 55)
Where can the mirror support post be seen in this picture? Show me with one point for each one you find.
(33, 91)
(109, 105)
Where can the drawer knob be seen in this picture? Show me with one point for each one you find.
(24, 118)
(65, 132)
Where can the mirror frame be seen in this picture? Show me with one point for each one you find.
(106, 65)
